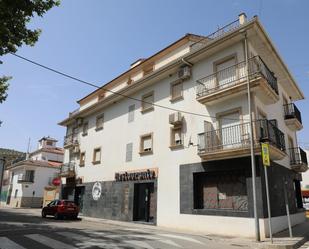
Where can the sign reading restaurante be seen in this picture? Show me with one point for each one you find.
(148, 174)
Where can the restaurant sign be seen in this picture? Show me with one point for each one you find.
(148, 174)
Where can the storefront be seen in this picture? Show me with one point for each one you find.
(132, 196)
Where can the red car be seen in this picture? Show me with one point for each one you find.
(60, 209)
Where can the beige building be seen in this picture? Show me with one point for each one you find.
(168, 141)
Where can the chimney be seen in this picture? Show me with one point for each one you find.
(242, 18)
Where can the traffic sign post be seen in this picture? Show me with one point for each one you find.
(266, 163)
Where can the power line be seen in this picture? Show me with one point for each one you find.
(116, 93)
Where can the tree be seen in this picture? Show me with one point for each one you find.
(14, 17)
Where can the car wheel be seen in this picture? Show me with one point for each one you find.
(75, 217)
(43, 214)
(57, 216)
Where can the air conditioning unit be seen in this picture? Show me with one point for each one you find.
(184, 73)
(79, 121)
(175, 118)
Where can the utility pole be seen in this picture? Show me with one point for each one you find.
(253, 167)
(2, 163)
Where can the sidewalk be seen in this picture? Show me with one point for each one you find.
(283, 241)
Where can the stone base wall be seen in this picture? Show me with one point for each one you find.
(30, 202)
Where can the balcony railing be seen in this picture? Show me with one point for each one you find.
(298, 156)
(70, 140)
(24, 179)
(235, 75)
(67, 169)
(238, 136)
(291, 111)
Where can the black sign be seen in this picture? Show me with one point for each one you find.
(135, 176)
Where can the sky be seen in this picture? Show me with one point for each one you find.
(97, 40)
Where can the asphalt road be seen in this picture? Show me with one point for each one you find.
(24, 228)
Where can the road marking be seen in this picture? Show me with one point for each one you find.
(140, 244)
(6, 243)
(49, 242)
(87, 241)
(181, 238)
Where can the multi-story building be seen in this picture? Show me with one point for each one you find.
(168, 141)
(28, 180)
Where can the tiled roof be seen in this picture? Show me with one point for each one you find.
(38, 163)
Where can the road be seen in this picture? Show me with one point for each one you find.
(25, 229)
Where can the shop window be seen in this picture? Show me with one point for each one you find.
(220, 190)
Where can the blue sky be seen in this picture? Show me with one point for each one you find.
(97, 40)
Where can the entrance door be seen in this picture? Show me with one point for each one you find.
(79, 197)
(143, 194)
(230, 130)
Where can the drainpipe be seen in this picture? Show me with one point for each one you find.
(187, 62)
(2, 162)
(253, 167)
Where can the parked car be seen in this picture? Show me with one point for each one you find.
(60, 209)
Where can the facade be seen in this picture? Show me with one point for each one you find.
(176, 152)
(7, 157)
(27, 181)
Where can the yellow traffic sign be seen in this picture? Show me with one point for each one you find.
(265, 154)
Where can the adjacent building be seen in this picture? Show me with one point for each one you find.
(168, 141)
(29, 180)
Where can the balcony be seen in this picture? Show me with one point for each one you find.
(298, 159)
(232, 81)
(292, 117)
(234, 141)
(67, 170)
(70, 141)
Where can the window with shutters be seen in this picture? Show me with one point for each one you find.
(147, 102)
(99, 122)
(82, 159)
(131, 113)
(96, 156)
(226, 71)
(176, 91)
(85, 129)
(129, 152)
(146, 144)
(29, 176)
(176, 138)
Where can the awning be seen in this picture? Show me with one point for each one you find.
(305, 193)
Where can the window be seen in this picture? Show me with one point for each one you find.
(96, 156)
(146, 144)
(49, 143)
(220, 190)
(226, 71)
(99, 122)
(29, 176)
(147, 102)
(176, 137)
(85, 129)
(131, 113)
(82, 159)
(129, 152)
(176, 90)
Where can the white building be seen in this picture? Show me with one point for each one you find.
(167, 141)
(27, 179)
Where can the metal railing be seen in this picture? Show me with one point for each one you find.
(70, 139)
(67, 168)
(291, 111)
(24, 179)
(238, 136)
(218, 33)
(235, 75)
(297, 156)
